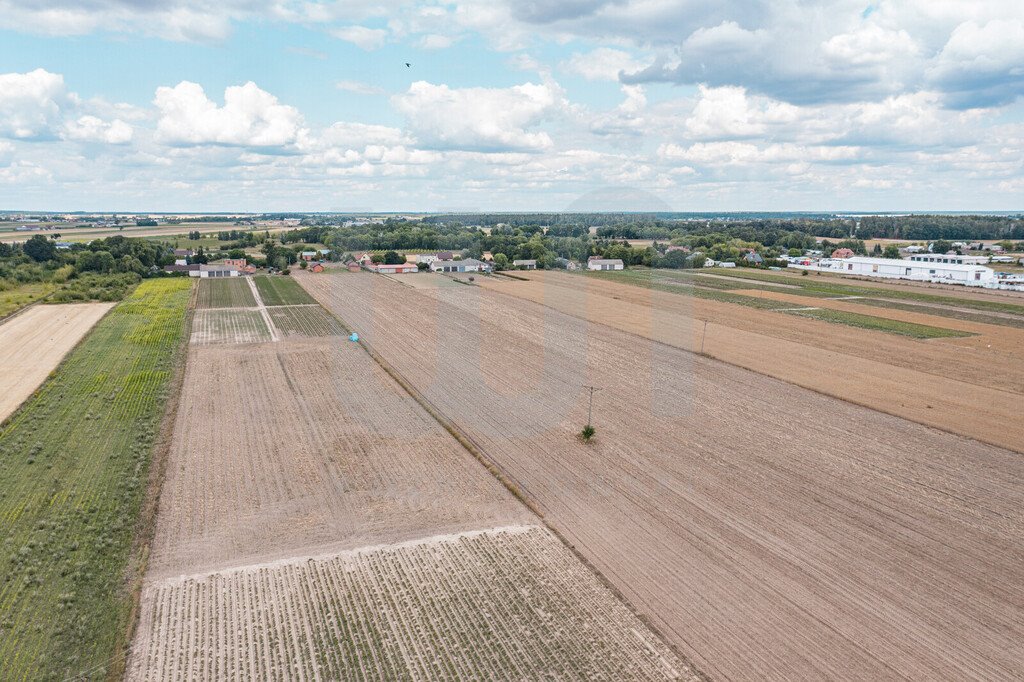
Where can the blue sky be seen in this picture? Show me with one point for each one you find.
(273, 105)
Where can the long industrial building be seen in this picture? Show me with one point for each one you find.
(951, 273)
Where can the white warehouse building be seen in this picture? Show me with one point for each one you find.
(952, 273)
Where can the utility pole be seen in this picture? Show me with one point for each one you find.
(590, 408)
(703, 334)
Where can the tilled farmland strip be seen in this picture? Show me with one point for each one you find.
(502, 604)
(768, 530)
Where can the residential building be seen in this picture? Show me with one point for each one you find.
(353, 266)
(308, 256)
(316, 267)
(525, 264)
(753, 257)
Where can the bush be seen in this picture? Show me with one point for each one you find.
(587, 434)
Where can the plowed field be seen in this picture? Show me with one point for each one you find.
(769, 531)
(316, 523)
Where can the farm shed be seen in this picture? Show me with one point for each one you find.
(396, 269)
(308, 255)
(316, 267)
(466, 265)
(353, 266)
(605, 264)
(525, 264)
(214, 271)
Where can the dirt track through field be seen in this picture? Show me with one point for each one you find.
(34, 342)
(769, 531)
(937, 382)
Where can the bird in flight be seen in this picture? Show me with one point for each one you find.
(408, 65)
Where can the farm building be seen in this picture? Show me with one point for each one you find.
(843, 253)
(316, 267)
(205, 271)
(181, 267)
(948, 258)
(353, 266)
(525, 264)
(466, 265)
(753, 257)
(488, 256)
(605, 264)
(242, 264)
(184, 253)
(308, 256)
(396, 268)
(969, 275)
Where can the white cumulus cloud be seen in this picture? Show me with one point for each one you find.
(30, 103)
(482, 119)
(95, 129)
(362, 36)
(250, 117)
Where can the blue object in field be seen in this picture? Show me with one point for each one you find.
(353, 337)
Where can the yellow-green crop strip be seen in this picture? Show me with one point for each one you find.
(73, 471)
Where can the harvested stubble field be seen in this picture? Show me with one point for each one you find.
(935, 382)
(504, 604)
(73, 469)
(304, 320)
(33, 344)
(295, 468)
(769, 531)
(227, 292)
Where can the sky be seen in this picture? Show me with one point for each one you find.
(511, 105)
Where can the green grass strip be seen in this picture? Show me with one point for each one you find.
(73, 474)
(882, 324)
(281, 290)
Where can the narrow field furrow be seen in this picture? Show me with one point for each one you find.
(769, 531)
(505, 604)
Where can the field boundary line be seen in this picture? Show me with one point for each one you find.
(263, 310)
(512, 486)
(426, 540)
(145, 527)
(706, 354)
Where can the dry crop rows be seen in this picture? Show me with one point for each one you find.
(228, 326)
(304, 320)
(508, 604)
(769, 531)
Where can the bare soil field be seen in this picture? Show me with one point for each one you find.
(33, 343)
(316, 522)
(505, 604)
(934, 382)
(770, 532)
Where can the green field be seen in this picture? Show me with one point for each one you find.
(20, 296)
(73, 472)
(227, 292)
(281, 290)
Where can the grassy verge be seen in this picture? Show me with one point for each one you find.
(73, 472)
(14, 299)
(882, 324)
(277, 290)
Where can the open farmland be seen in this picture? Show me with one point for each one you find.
(505, 604)
(316, 522)
(73, 469)
(219, 326)
(770, 532)
(33, 344)
(934, 382)
(17, 297)
(225, 292)
(280, 290)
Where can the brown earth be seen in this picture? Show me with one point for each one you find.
(958, 384)
(317, 523)
(769, 531)
(34, 342)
